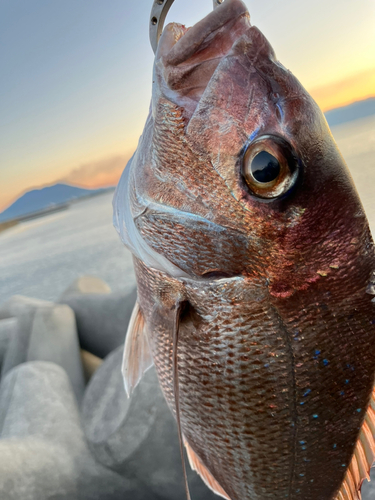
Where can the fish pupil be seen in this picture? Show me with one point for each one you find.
(265, 167)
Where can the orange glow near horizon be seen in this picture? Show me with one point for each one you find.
(106, 171)
(344, 92)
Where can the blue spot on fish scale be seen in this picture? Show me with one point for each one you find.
(307, 392)
(315, 416)
(359, 410)
(317, 353)
(325, 362)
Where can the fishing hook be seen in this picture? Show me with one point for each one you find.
(159, 12)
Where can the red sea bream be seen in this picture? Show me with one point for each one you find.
(254, 264)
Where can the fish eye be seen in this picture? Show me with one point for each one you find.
(265, 167)
(270, 168)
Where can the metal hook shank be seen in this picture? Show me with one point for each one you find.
(159, 12)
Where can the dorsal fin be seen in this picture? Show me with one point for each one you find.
(207, 477)
(362, 459)
(137, 355)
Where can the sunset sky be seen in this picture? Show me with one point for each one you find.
(76, 76)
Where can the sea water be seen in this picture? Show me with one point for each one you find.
(40, 258)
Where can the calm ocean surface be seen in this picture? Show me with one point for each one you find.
(41, 258)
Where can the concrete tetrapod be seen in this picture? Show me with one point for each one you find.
(86, 285)
(18, 304)
(8, 329)
(43, 451)
(102, 319)
(45, 332)
(54, 338)
(136, 437)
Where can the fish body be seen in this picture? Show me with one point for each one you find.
(252, 291)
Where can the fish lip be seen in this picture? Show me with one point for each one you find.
(187, 58)
(189, 40)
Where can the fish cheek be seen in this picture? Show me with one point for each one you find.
(197, 246)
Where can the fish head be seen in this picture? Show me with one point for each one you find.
(238, 202)
(237, 172)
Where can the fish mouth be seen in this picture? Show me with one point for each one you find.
(187, 58)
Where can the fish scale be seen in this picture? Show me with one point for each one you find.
(230, 393)
(241, 389)
(255, 297)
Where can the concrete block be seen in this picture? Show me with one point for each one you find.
(29, 393)
(43, 451)
(19, 304)
(136, 437)
(8, 329)
(19, 343)
(54, 338)
(45, 332)
(22, 308)
(87, 285)
(102, 319)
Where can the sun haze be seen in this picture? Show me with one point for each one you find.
(76, 77)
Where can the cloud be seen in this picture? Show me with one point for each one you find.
(99, 173)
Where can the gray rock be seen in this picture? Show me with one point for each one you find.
(87, 285)
(8, 328)
(102, 319)
(43, 452)
(136, 437)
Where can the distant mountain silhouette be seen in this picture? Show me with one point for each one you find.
(359, 109)
(43, 199)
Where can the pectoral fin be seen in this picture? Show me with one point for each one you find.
(208, 479)
(137, 355)
(363, 458)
